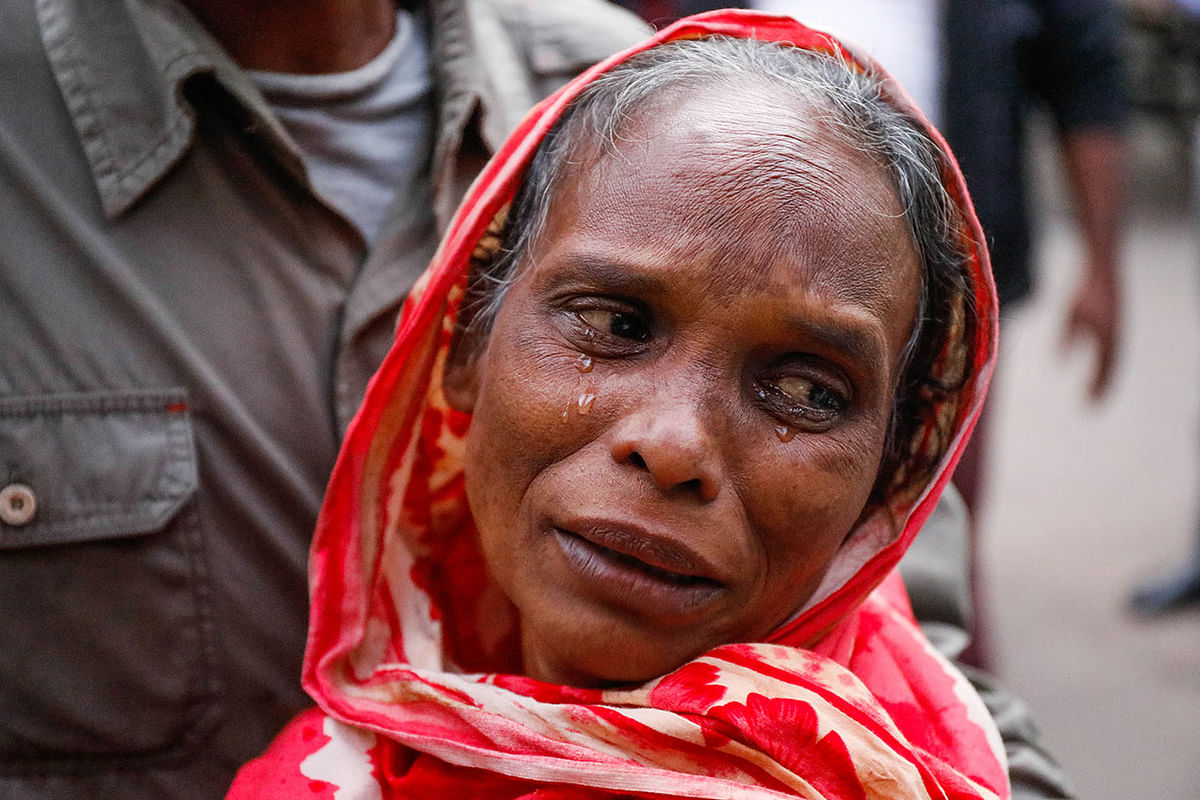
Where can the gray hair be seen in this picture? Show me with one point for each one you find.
(851, 102)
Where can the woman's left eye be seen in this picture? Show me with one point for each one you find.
(618, 324)
(804, 400)
(807, 392)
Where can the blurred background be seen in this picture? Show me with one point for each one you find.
(1086, 500)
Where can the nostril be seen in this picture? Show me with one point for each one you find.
(674, 463)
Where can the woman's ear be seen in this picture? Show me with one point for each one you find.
(460, 378)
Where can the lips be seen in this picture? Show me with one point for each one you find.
(651, 574)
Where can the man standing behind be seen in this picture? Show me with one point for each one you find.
(211, 212)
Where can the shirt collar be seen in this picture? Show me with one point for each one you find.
(122, 71)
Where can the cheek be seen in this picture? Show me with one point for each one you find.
(809, 498)
(524, 420)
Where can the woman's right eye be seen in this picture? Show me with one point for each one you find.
(627, 325)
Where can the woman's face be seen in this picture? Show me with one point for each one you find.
(681, 408)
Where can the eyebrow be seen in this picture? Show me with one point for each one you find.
(612, 274)
(852, 337)
(845, 331)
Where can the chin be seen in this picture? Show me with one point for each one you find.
(617, 658)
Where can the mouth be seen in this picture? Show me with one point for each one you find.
(649, 574)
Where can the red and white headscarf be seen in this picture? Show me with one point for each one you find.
(413, 652)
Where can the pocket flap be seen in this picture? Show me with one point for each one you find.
(98, 465)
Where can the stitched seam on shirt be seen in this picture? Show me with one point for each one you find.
(94, 121)
(100, 511)
(56, 34)
(142, 402)
(175, 481)
(176, 478)
(178, 131)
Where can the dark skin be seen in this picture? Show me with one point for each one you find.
(680, 410)
(299, 36)
(1094, 160)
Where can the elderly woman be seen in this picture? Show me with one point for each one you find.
(621, 513)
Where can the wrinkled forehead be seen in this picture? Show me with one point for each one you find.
(743, 172)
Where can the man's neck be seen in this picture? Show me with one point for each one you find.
(299, 36)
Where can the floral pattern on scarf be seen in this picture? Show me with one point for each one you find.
(412, 653)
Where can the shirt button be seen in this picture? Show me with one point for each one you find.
(18, 504)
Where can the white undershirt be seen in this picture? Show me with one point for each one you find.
(902, 35)
(365, 135)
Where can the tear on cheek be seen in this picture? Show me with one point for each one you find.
(580, 404)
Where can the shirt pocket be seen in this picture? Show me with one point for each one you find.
(107, 651)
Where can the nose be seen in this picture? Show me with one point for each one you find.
(672, 444)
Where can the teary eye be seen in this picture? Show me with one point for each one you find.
(620, 324)
(807, 402)
(810, 394)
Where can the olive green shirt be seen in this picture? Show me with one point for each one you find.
(185, 330)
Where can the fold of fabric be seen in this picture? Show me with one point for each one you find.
(412, 652)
